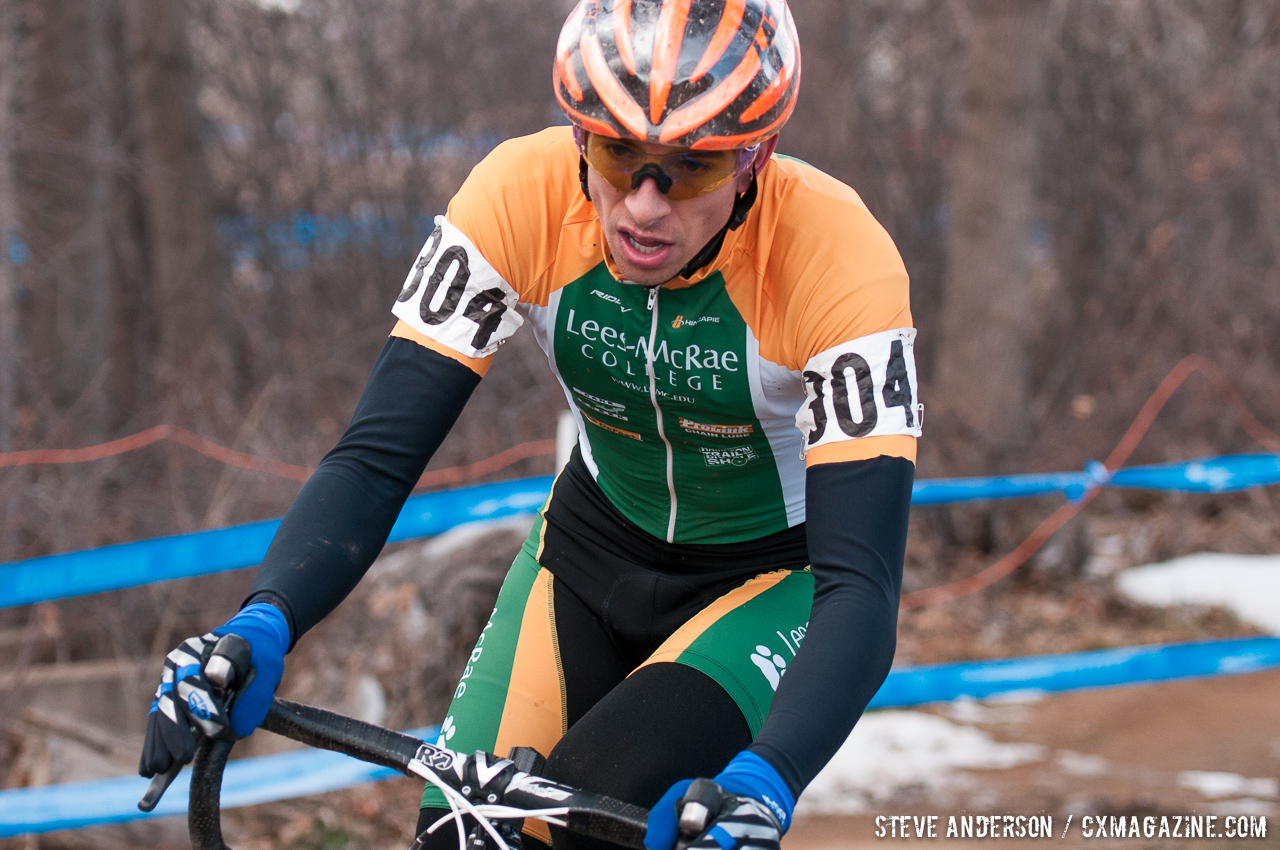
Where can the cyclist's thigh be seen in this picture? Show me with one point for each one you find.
(589, 661)
(509, 693)
(542, 660)
(694, 704)
(664, 723)
(745, 639)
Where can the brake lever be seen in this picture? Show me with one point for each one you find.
(228, 664)
(698, 808)
(159, 784)
(229, 661)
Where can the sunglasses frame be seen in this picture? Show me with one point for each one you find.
(651, 167)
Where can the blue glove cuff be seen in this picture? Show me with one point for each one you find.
(259, 619)
(264, 626)
(751, 776)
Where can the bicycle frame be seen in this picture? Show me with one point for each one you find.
(589, 814)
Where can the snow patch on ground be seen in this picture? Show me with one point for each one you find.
(1212, 783)
(1246, 806)
(1080, 764)
(1247, 584)
(892, 754)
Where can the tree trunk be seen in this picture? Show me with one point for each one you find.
(8, 229)
(176, 186)
(986, 321)
(64, 191)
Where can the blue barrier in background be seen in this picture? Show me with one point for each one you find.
(204, 552)
(1074, 671)
(296, 774)
(245, 782)
(1206, 475)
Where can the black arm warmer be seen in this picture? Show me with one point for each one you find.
(856, 519)
(341, 519)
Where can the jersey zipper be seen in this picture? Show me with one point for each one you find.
(657, 411)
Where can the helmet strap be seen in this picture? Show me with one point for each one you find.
(582, 175)
(741, 206)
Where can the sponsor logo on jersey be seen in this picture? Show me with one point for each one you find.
(613, 299)
(447, 731)
(717, 430)
(603, 406)
(737, 456)
(606, 343)
(596, 422)
(475, 656)
(770, 663)
(681, 321)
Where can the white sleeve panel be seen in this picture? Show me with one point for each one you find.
(455, 297)
(865, 387)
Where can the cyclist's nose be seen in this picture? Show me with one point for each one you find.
(646, 202)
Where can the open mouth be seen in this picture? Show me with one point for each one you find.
(643, 245)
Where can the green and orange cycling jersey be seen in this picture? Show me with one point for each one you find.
(755, 418)
(699, 403)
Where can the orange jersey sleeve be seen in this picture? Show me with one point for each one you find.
(515, 204)
(491, 251)
(842, 298)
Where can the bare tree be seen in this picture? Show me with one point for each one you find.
(986, 309)
(9, 69)
(176, 188)
(61, 117)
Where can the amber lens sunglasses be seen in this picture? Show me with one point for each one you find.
(680, 176)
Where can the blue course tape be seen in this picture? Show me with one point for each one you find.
(244, 783)
(204, 552)
(296, 774)
(1076, 671)
(1206, 475)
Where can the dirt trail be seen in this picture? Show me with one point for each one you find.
(1119, 751)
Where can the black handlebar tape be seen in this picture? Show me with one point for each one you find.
(328, 730)
(590, 814)
(204, 813)
(608, 819)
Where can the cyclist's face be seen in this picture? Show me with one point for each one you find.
(651, 235)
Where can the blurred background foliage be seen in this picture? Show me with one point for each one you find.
(207, 207)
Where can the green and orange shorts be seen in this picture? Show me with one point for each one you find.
(587, 584)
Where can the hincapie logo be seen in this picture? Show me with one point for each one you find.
(681, 321)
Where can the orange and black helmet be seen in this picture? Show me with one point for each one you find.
(703, 74)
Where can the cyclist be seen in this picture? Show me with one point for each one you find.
(711, 588)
